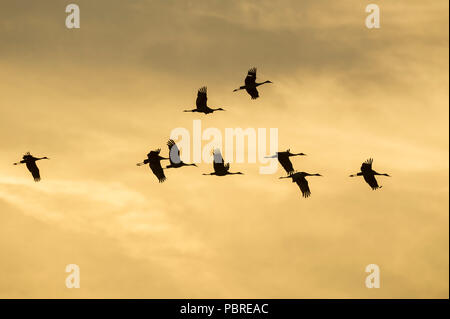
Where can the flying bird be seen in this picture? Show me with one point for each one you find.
(154, 161)
(301, 181)
(221, 169)
(201, 103)
(251, 84)
(283, 158)
(30, 162)
(369, 174)
(174, 156)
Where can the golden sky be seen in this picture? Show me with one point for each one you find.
(97, 99)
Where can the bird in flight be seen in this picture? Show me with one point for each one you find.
(221, 169)
(30, 161)
(283, 158)
(369, 174)
(301, 181)
(201, 104)
(154, 161)
(251, 84)
(174, 156)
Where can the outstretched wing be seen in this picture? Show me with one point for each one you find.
(218, 161)
(155, 165)
(371, 180)
(202, 98)
(367, 166)
(251, 77)
(174, 152)
(303, 185)
(34, 170)
(157, 170)
(286, 163)
(253, 92)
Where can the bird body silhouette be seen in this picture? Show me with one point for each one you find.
(221, 169)
(30, 161)
(283, 159)
(154, 161)
(174, 156)
(251, 84)
(301, 181)
(369, 174)
(201, 103)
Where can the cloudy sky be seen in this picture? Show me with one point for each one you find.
(97, 99)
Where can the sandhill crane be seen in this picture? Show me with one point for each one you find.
(174, 156)
(283, 158)
(369, 174)
(301, 181)
(221, 169)
(251, 84)
(154, 161)
(201, 103)
(30, 162)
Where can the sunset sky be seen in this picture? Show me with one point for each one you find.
(96, 100)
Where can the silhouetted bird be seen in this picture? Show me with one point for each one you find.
(301, 181)
(369, 174)
(154, 161)
(30, 161)
(201, 103)
(283, 158)
(221, 169)
(174, 156)
(251, 84)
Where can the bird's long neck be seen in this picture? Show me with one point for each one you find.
(261, 83)
(376, 173)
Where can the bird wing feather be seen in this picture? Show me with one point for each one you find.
(202, 98)
(253, 92)
(303, 185)
(34, 170)
(371, 180)
(367, 166)
(157, 170)
(174, 152)
(251, 77)
(286, 163)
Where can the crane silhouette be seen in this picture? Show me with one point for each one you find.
(301, 181)
(30, 161)
(174, 156)
(283, 158)
(221, 169)
(251, 84)
(154, 161)
(369, 174)
(201, 103)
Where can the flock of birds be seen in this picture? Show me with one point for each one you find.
(220, 168)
